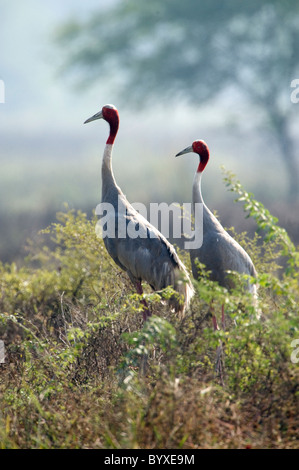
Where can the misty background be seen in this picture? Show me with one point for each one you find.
(177, 73)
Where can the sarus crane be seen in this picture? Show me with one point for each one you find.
(219, 252)
(150, 257)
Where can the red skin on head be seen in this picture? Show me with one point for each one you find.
(111, 116)
(201, 148)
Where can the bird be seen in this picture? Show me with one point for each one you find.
(219, 252)
(149, 258)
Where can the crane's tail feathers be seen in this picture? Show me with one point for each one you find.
(185, 291)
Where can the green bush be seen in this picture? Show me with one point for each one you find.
(76, 347)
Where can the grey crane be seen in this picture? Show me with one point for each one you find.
(219, 251)
(149, 257)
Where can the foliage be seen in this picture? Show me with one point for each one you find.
(76, 346)
(212, 42)
(267, 223)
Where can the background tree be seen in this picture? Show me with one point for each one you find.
(194, 50)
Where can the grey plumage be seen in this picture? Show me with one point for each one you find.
(148, 257)
(221, 253)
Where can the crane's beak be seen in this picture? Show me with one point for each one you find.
(187, 150)
(98, 115)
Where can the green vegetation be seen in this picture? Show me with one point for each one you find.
(75, 339)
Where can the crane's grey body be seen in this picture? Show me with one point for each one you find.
(219, 251)
(150, 258)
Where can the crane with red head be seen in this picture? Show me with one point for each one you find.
(150, 258)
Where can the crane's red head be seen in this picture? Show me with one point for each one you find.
(110, 114)
(201, 148)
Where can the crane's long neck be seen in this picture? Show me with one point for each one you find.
(203, 160)
(108, 181)
(209, 220)
(109, 186)
(107, 171)
(196, 189)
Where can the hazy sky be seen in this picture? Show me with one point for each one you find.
(29, 62)
(48, 157)
(35, 94)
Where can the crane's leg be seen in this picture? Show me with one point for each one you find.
(214, 319)
(146, 311)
